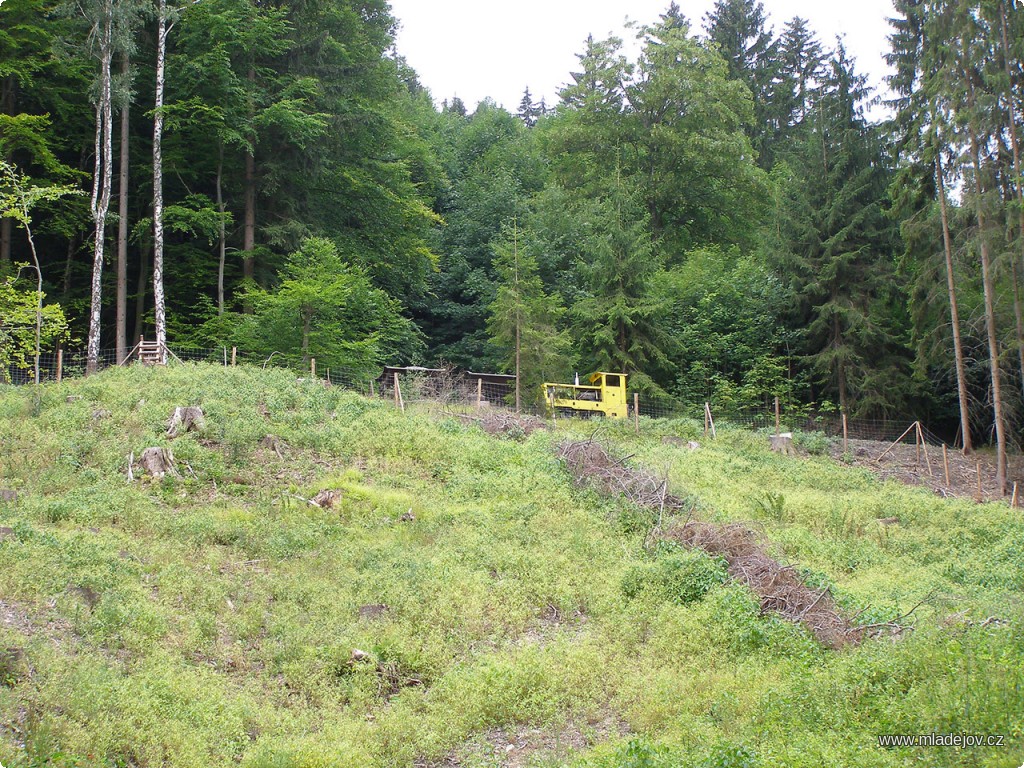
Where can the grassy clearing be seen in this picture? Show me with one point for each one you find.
(210, 620)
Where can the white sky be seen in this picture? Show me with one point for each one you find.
(478, 48)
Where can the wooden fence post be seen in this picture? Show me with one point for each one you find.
(1013, 500)
(479, 392)
(234, 354)
(398, 395)
(979, 482)
(710, 419)
(846, 435)
(778, 417)
(924, 445)
(636, 412)
(945, 462)
(60, 365)
(707, 410)
(372, 392)
(312, 367)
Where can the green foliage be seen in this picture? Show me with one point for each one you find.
(678, 576)
(18, 323)
(525, 320)
(327, 309)
(618, 321)
(815, 443)
(835, 251)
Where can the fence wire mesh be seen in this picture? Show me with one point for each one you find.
(469, 392)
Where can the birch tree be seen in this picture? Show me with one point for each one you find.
(163, 29)
(103, 29)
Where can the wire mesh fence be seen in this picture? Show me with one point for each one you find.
(444, 388)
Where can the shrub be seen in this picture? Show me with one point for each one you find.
(677, 576)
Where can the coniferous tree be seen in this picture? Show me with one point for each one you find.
(739, 28)
(839, 246)
(528, 110)
(618, 322)
(524, 319)
(802, 59)
(923, 128)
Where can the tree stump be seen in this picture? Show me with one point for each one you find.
(184, 420)
(275, 444)
(158, 462)
(326, 498)
(783, 444)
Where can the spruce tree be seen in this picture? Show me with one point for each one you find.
(840, 245)
(739, 28)
(524, 319)
(619, 321)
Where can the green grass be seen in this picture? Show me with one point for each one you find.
(210, 619)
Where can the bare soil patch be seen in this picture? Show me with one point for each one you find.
(520, 746)
(909, 464)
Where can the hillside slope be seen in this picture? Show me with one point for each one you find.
(503, 616)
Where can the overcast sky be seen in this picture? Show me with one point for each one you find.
(478, 48)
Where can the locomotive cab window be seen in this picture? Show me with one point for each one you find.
(611, 381)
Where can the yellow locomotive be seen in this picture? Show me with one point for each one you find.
(605, 394)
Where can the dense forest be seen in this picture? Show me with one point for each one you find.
(716, 216)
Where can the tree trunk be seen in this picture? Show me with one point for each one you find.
(519, 313)
(519, 403)
(5, 240)
(1019, 183)
(158, 184)
(954, 312)
(6, 224)
(121, 327)
(140, 294)
(249, 228)
(101, 188)
(69, 261)
(989, 294)
(222, 233)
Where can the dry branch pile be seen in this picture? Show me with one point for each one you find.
(507, 424)
(777, 586)
(590, 464)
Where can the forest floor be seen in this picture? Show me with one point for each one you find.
(923, 466)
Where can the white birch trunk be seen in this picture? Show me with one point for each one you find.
(158, 184)
(101, 186)
(222, 249)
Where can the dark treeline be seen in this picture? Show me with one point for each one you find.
(717, 217)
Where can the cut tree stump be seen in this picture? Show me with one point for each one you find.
(158, 462)
(184, 420)
(275, 444)
(783, 444)
(326, 498)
